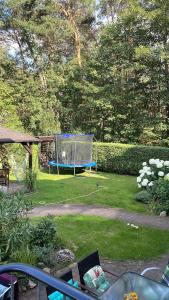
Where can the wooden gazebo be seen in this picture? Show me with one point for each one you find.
(10, 136)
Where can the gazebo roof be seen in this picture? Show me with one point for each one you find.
(11, 136)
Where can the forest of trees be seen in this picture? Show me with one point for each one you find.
(86, 66)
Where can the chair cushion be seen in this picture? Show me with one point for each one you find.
(59, 296)
(56, 296)
(165, 277)
(95, 278)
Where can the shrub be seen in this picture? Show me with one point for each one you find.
(20, 240)
(14, 225)
(152, 171)
(30, 180)
(160, 196)
(44, 233)
(24, 255)
(143, 196)
(45, 255)
(125, 158)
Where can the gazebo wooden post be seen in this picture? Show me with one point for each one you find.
(28, 147)
(30, 156)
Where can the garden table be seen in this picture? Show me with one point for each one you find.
(145, 288)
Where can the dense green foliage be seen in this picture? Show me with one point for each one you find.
(124, 158)
(143, 196)
(156, 197)
(30, 180)
(153, 179)
(20, 240)
(14, 225)
(64, 69)
(113, 238)
(159, 194)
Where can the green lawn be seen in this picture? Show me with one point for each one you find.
(104, 189)
(113, 238)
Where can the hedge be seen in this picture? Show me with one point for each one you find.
(126, 158)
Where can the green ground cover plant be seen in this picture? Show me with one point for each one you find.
(113, 238)
(104, 189)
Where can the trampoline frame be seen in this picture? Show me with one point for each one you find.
(55, 163)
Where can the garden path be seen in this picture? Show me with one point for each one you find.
(112, 213)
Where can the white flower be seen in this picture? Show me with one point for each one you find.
(144, 182)
(167, 176)
(149, 173)
(144, 164)
(141, 171)
(142, 175)
(157, 161)
(159, 165)
(152, 173)
(138, 179)
(145, 168)
(128, 224)
(160, 173)
(152, 161)
(166, 163)
(139, 186)
(150, 183)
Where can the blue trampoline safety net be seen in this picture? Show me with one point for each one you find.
(73, 151)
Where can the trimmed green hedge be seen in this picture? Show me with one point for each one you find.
(125, 158)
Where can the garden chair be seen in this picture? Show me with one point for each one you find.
(56, 295)
(88, 266)
(165, 273)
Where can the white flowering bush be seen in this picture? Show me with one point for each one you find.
(152, 171)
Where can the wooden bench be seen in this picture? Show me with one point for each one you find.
(4, 177)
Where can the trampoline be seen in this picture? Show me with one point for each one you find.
(72, 151)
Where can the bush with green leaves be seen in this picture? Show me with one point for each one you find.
(24, 255)
(44, 232)
(20, 238)
(44, 240)
(30, 180)
(152, 171)
(14, 224)
(160, 196)
(125, 158)
(143, 196)
(45, 255)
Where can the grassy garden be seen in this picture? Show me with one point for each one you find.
(105, 189)
(113, 238)
(36, 241)
(84, 67)
(41, 238)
